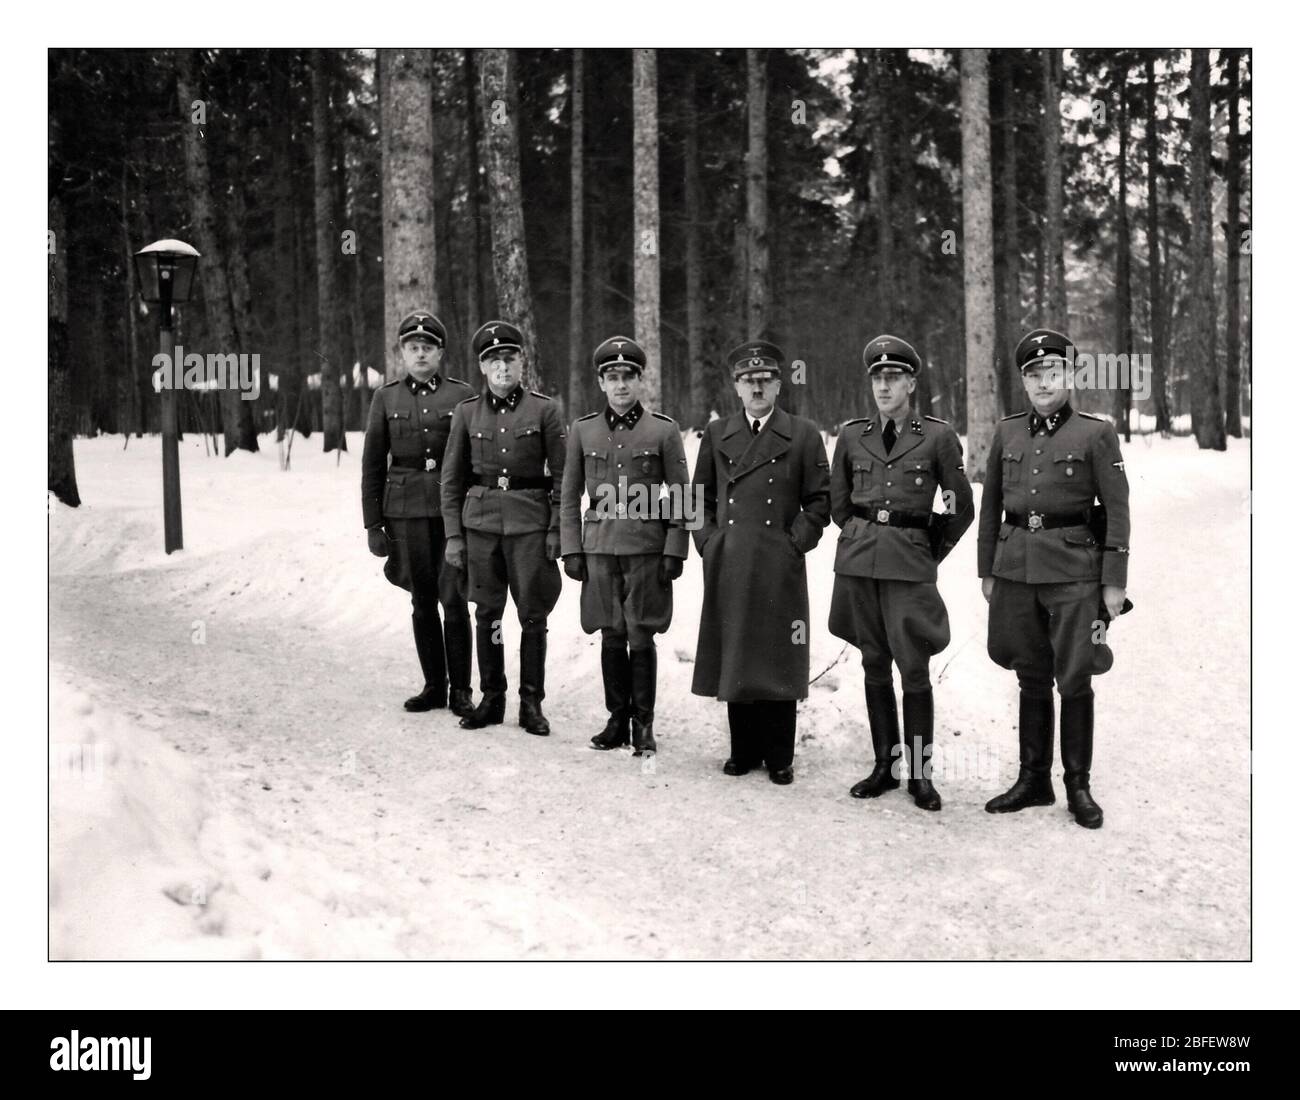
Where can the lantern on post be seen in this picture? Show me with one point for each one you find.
(165, 270)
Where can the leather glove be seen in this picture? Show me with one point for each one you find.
(670, 569)
(455, 553)
(378, 541)
(575, 567)
(552, 545)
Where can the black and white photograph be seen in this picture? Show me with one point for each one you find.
(592, 510)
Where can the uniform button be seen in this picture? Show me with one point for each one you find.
(620, 446)
(1039, 451)
(424, 410)
(890, 466)
(1035, 469)
(503, 450)
(1033, 490)
(920, 481)
(503, 431)
(773, 460)
(769, 500)
(730, 521)
(889, 502)
(620, 465)
(889, 484)
(768, 523)
(770, 480)
(731, 500)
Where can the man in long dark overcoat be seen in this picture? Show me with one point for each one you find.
(765, 480)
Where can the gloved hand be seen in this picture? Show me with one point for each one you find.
(575, 567)
(670, 569)
(455, 553)
(552, 545)
(378, 541)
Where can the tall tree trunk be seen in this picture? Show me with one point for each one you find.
(908, 309)
(1054, 237)
(478, 231)
(881, 158)
(500, 101)
(62, 468)
(328, 250)
(133, 420)
(1158, 384)
(1011, 387)
(1232, 386)
(1123, 293)
(406, 107)
(288, 357)
(645, 218)
(757, 290)
(579, 372)
(698, 415)
(1207, 402)
(977, 253)
(236, 416)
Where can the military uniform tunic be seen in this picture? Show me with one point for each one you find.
(1046, 602)
(496, 446)
(885, 600)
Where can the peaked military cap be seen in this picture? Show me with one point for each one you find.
(422, 323)
(1043, 345)
(890, 351)
(619, 351)
(495, 336)
(755, 355)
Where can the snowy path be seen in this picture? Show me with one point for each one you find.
(326, 822)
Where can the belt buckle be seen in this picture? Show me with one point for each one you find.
(1035, 521)
(882, 516)
(503, 483)
(430, 463)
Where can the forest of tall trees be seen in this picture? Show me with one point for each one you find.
(690, 197)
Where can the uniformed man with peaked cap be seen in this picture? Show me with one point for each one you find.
(622, 550)
(401, 504)
(764, 476)
(1053, 555)
(500, 497)
(884, 476)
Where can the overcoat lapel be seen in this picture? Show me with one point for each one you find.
(748, 451)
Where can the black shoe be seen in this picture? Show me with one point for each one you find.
(1076, 755)
(643, 737)
(924, 794)
(732, 768)
(781, 776)
(431, 698)
(531, 717)
(615, 734)
(882, 718)
(491, 711)
(1033, 787)
(462, 702)
(645, 672)
(880, 780)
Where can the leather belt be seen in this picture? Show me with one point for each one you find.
(1036, 521)
(889, 517)
(503, 482)
(413, 463)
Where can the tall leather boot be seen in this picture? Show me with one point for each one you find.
(1076, 756)
(491, 710)
(532, 684)
(1033, 787)
(882, 717)
(918, 738)
(433, 663)
(645, 671)
(616, 671)
(455, 633)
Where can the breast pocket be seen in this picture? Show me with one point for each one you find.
(920, 477)
(1067, 466)
(528, 443)
(595, 464)
(1011, 466)
(479, 442)
(862, 468)
(399, 425)
(648, 463)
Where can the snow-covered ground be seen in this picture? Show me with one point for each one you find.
(232, 775)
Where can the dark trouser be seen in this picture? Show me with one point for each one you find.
(761, 732)
(1049, 631)
(905, 622)
(443, 644)
(515, 565)
(624, 595)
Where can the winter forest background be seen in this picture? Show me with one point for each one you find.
(689, 197)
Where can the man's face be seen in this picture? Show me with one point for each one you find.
(503, 369)
(1045, 386)
(892, 388)
(621, 387)
(758, 392)
(422, 357)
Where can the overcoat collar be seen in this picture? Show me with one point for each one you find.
(747, 451)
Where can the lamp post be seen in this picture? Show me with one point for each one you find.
(165, 270)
